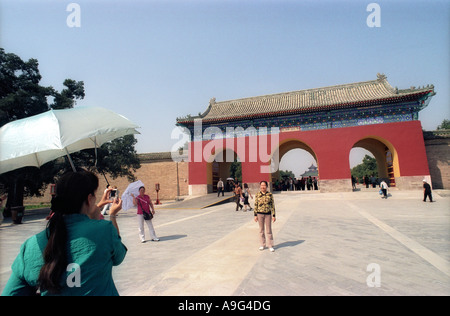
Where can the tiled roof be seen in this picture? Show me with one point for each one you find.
(327, 98)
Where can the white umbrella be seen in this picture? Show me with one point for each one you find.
(127, 199)
(38, 139)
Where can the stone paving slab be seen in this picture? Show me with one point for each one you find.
(324, 244)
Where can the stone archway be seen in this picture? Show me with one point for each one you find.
(283, 148)
(219, 167)
(386, 156)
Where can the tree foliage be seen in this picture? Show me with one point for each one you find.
(368, 167)
(236, 170)
(22, 96)
(444, 125)
(285, 174)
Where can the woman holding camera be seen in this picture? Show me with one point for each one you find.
(74, 239)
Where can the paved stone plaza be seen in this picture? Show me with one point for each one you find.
(324, 245)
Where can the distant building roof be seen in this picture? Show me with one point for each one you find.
(334, 97)
(312, 171)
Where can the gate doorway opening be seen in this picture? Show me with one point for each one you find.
(222, 168)
(380, 162)
(298, 168)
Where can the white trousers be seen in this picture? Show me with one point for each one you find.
(141, 221)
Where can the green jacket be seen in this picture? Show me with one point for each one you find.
(93, 245)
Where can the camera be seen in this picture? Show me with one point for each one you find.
(114, 193)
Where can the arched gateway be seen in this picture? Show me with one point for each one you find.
(327, 122)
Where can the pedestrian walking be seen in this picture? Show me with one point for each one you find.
(74, 239)
(384, 188)
(264, 215)
(426, 191)
(246, 195)
(238, 196)
(220, 187)
(144, 204)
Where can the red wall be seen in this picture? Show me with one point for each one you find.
(332, 149)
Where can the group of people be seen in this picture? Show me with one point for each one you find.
(240, 194)
(297, 184)
(368, 181)
(76, 238)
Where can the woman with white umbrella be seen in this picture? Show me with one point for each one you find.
(145, 211)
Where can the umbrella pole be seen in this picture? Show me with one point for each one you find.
(70, 160)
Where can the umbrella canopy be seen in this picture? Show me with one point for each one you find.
(38, 139)
(127, 199)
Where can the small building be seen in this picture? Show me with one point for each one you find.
(312, 172)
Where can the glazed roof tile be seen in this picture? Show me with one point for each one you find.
(333, 97)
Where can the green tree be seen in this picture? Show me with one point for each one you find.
(117, 158)
(368, 167)
(286, 174)
(444, 125)
(21, 96)
(236, 170)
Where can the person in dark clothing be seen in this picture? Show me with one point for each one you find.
(426, 191)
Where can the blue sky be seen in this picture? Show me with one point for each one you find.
(153, 61)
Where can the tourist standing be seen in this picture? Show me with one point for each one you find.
(144, 204)
(373, 181)
(246, 195)
(426, 191)
(73, 238)
(264, 214)
(220, 187)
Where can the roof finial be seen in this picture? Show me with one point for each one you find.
(381, 76)
(212, 101)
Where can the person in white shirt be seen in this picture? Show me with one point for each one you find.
(384, 188)
(220, 187)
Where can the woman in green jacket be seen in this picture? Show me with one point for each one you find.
(75, 254)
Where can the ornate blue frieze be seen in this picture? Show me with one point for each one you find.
(379, 114)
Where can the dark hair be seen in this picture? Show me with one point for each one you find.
(72, 190)
(141, 188)
(246, 185)
(264, 182)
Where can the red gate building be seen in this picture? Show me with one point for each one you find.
(327, 122)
